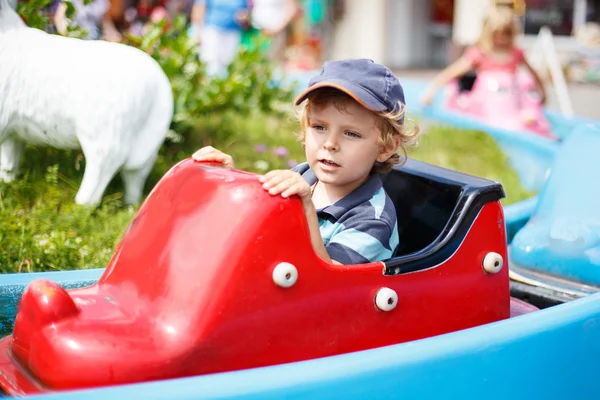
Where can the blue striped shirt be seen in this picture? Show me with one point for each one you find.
(361, 227)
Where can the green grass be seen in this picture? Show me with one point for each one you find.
(42, 229)
(472, 152)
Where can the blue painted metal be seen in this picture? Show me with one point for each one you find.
(563, 236)
(563, 127)
(13, 285)
(551, 353)
(516, 216)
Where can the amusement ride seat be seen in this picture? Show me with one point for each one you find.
(435, 208)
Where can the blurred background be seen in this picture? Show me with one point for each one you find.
(236, 65)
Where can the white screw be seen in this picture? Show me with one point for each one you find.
(492, 263)
(285, 275)
(386, 299)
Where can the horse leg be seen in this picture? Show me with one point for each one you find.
(98, 173)
(134, 180)
(11, 151)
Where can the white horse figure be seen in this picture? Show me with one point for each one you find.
(111, 100)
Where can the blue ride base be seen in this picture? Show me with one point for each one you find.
(563, 234)
(548, 354)
(558, 249)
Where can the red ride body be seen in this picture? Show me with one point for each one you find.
(190, 291)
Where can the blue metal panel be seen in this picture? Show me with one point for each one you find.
(550, 354)
(13, 285)
(516, 215)
(563, 236)
(60, 277)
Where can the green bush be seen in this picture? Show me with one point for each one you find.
(248, 87)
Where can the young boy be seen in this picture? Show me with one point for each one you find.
(352, 120)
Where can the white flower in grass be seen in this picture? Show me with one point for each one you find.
(84, 251)
(261, 165)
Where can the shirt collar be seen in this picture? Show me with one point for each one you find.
(360, 195)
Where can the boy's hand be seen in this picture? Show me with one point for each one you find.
(287, 183)
(210, 154)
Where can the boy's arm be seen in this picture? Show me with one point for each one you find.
(363, 240)
(288, 183)
(315, 234)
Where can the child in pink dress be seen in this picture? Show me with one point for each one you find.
(495, 51)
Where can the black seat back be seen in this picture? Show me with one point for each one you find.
(423, 207)
(432, 201)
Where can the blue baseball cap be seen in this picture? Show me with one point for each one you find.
(372, 85)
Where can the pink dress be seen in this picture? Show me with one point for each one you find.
(501, 96)
(484, 62)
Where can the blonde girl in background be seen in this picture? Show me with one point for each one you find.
(495, 51)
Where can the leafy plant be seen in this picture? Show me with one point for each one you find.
(250, 84)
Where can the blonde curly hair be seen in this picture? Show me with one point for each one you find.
(391, 124)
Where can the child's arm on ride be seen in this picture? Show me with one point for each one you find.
(288, 183)
(284, 182)
(453, 71)
(538, 80)
(210, 154)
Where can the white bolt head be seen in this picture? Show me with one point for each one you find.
(285, 275)
(386, 299)
(492, 263)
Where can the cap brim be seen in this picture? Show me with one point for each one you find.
(358, 93)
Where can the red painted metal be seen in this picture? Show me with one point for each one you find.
(190, 291)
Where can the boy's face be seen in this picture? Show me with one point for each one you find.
(342, 146)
